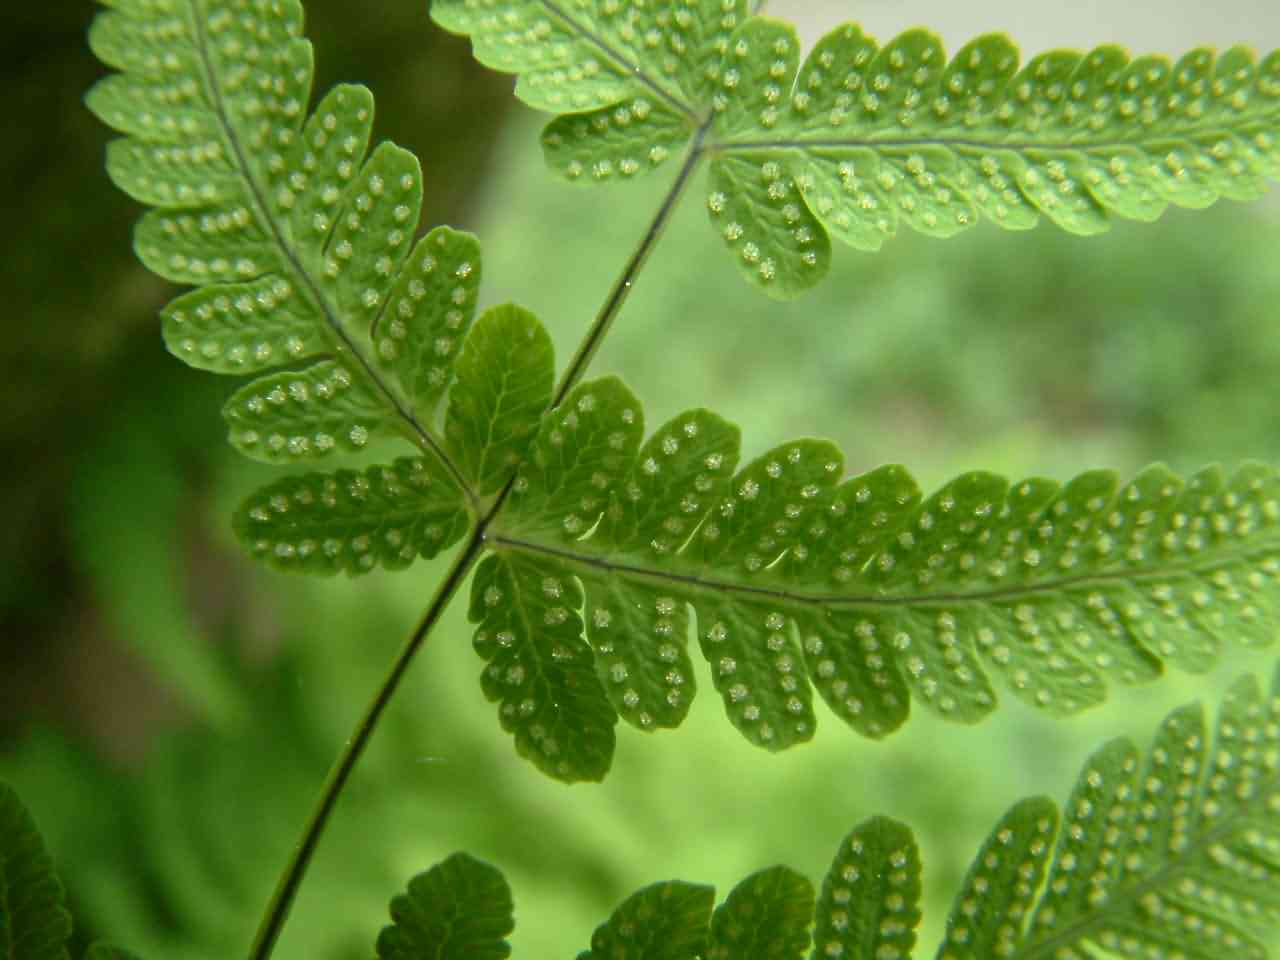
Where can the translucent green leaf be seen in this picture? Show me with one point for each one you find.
(506, 374)
(999, 890)
(879, 137)
(664, 921)
(428, 312)
(870, 902)
(34, 923)
(637, 632)
(300, 240)
(352, 522)
(859, 139)
(621, 141)
(868, 591)
(1174, 855)
(242, 328)
(574, 58)
(539, 668)
(583, 450)
(305, 414)
(458, 910)
(761, 215)
(766, 917)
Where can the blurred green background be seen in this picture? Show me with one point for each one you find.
(169, 709)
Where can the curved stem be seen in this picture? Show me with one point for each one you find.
(277, 910)
(626, 279)
(287, 888)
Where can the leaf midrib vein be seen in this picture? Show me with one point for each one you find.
(423, 433)
(633, 68)
(953, 143)
(1182, 862)
(850, 600)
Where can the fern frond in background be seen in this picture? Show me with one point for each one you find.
(861, 139)
(1171, 855)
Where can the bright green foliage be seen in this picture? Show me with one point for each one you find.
(506, 373)
(1171, 855)
(870, 901)
(540, 667)
(303, 252)
(610, 547)
(584, 55)
(458, 910)
(861, 586)
(664, 921)
(767, 916)
(352, 522)
(34, 923)
(860, 139)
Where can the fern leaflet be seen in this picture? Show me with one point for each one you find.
(860, 139)
(302, 250)
(1171, 855)
(34, 922)
(458, 910)
(861, 587)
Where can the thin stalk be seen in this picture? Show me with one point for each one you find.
(277, 910)
(626, 279)
(287, 888)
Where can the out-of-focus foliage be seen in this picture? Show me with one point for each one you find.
(1018, 353)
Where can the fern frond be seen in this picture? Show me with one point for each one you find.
(861, 587)
(872, 138)
(34, 922)
(1174, 854)
(663, 921)
(581, 55)
(458, 910)
(351, 521)
(861, 139)
(299, 240)
(1171, 855)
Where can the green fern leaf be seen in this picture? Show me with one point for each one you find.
(664, 921)
(861, 140)
(540, 667)
(870, 903)
(460, 908)
(299, 240)
(861, 586)
(352, 522)
(581, 56)
(34, 923)
(1174, 854)
(506, 373)
(766, 917)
